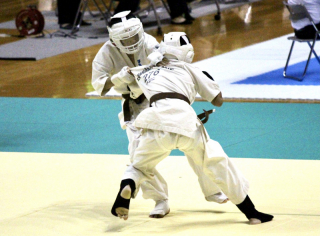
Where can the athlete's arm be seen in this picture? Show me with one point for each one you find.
(107, 86)
(218, 100)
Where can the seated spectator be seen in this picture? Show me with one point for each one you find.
(125, 5)
(179, 12)
(303, 29)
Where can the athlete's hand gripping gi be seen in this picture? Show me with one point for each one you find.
(171, 123)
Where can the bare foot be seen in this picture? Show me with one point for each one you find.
(122, 213)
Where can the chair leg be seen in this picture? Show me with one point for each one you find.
(285, 75)
(110, 6)
(159, 32)
(165, 6)
(218, 15)
(314, 52)
(82, 8)
(287, 63)
(106, 14)
(307, 64)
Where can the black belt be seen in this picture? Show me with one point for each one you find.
(204, 117)
(126, 107)
(160, 96)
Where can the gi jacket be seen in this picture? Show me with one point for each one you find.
(173, 115)
(110, 60)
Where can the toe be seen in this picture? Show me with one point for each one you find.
(254, 221)
(159, 215)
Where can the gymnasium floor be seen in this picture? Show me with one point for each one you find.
(61, 157)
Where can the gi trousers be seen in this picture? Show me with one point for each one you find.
(155, 145)
(155, 188)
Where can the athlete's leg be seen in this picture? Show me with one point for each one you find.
(121, 205)
(147, 155)
(221, 170)
(155, 188)
(210, 189)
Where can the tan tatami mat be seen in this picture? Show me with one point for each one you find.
(72, 194)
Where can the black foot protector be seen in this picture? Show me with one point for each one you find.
(247, 208)
(120, 201)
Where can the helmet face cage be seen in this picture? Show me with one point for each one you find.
(177, 44)
(127, 35)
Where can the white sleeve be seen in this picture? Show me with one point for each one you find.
(122, 77)
(135, 90)
(122, 80)
(204, 83)
(151, 43)
(102, 67)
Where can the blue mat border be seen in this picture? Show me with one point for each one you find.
(275, 77)
(250, 130)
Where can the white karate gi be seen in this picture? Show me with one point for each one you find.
(173, 124)
(109, 61)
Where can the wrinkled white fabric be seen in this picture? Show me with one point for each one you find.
(313, 7)
(108, 62)
(173, 124)
(156, 145)
(179, 77)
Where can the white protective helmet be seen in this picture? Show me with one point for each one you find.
(177, 45)
(128, 34)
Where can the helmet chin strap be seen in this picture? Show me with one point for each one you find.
(123, 19)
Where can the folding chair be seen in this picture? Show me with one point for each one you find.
(83, 6)
(218, 15)
(150, 7)
(298, 12)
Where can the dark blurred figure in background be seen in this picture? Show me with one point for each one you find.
(67, 11)
(303, 28)
(127, 5)
(180, 12)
